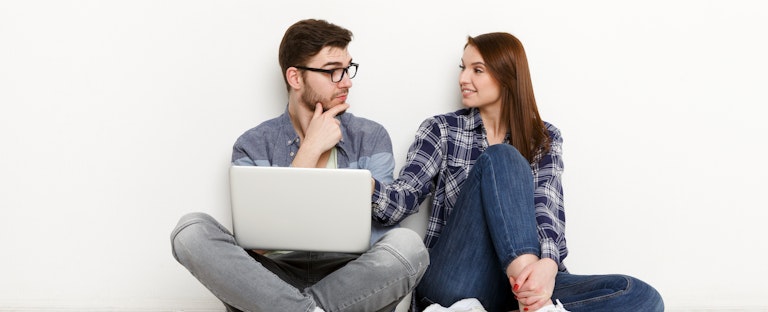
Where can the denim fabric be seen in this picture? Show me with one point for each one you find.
(443, 152)
(605, 293)
(373, 281)
(492, 223)
(365, 144)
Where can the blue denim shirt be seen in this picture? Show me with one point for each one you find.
(365, 144)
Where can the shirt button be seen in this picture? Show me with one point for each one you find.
(292, 154)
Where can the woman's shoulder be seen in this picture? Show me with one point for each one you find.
(550, 126)
(555, 138)
(554, 132)
(461, 116)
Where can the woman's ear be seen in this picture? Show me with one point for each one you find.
(293, 76)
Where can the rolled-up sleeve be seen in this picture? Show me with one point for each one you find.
(394, 201)
(548, 200)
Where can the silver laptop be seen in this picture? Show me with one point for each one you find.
(309, 209)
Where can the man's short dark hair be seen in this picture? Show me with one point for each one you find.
(306, 38)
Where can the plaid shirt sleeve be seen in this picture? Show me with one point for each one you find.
(548, 200)
(393, 202)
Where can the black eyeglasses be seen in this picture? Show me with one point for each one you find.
(337, 74)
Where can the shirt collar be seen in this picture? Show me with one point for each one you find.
(474, 121)
(292, 137)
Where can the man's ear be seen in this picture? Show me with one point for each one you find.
(293, 76)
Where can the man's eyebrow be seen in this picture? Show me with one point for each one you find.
(338, 64)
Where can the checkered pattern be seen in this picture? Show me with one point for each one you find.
(445, 148)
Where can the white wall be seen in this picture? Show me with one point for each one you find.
(118, 117)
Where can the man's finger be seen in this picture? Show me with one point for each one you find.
(337, 109)
(318, 110)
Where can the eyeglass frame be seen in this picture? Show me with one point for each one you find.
(345, 70)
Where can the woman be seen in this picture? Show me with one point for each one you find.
(496, 229)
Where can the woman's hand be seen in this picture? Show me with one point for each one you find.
(534, 285)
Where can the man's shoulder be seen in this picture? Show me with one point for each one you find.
(267, 128)
(264, 134)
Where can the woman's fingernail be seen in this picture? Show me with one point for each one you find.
(516, 287)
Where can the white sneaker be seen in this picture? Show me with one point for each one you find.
(463, 305)
(553, 308)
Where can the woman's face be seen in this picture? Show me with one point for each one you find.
(478, 88)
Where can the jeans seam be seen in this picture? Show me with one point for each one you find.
(218, 295)
(178, 230)
(601, 298)
(403, 261)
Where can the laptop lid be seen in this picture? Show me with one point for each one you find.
(309, 209)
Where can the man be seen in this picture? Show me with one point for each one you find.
(313, 131)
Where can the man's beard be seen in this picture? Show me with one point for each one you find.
(310, 98)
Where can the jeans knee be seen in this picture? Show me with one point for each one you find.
(410, 247)
(195, 217)
(647, 298)
(505, 151)
(507, 155)
(189, 232)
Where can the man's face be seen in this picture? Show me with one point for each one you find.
(318, 87)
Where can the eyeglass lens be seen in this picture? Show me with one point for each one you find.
(338, 73)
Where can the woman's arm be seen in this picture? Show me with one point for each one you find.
(536, 282)
(548, 200)
(401, 198)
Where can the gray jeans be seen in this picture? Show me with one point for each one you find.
(300, 281)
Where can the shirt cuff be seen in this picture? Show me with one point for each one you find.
(377, 209)
(549, 250)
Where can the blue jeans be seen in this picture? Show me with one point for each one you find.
(492, 223)
(376, 280)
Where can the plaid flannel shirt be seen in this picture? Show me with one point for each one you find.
(437, 164)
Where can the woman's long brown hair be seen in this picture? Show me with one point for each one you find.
(505, 60)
